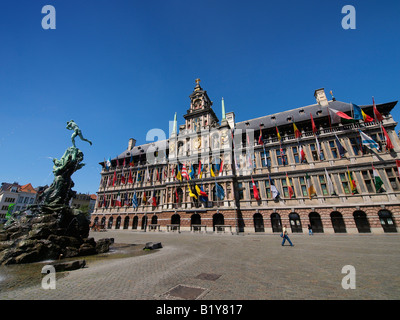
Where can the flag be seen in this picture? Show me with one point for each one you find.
(310, 187)
(283, 157)
(212, 172)
(176, 196)
(123, 176)
(260, 140)
(221, 166)
(109, 163)
(314, 128)
(329, 183)
(123, 165)
(147, 174)
(126, 202)
(340, 147)
(138, 177)
(278, 134)
(290, 189)
(104, 201)
(378, 180)
(318, 148)
(297, 132)
(191, 172)
(219, 191)
(378, 116)
(336, 116)
(255, 190)
(131, 161)
(178, 175)
(184, 172)
(202, 196)
(302, 154)
(118, 201)
(144, 197)
(274, 191)
(398, 166)
(191, 194)
(114, 178)
(117, 162)
(200, 170)
(134, 201)
(368, 141)
(359, 114)
(130, 180)
(352, 183)
(200, 192)
(153, 199)
(112, 201)
(389, 144)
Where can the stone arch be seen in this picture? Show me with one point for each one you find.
(387, 222)
(361, 220)
(337, 222)
(218, 219)
(316, 222)
(126, 222)
(276, 222)
(258, 221)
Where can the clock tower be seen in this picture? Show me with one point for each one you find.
(200, 115)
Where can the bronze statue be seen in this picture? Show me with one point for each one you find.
(71, 125)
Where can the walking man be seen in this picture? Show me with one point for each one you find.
(285, 237)
(310, 232)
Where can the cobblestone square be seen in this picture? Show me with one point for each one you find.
(251, 267)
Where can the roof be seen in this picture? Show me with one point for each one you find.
(303, 114)
(28, 188)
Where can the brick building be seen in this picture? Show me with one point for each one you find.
(312, 156)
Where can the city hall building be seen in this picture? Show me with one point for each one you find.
(314, 165)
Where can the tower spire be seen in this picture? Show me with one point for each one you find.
(223, 110)
(174, 127)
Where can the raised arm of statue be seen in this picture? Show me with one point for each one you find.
(71, 125)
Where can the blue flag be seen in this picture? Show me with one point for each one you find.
(342, 150)
(134, 201)
(219, 191)
(357, 114)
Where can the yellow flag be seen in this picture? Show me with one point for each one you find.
(198, 190)
(179, 176)
(211, 170)
(191, 193)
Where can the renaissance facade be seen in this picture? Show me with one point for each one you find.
(331, 165)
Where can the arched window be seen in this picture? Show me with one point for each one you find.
(118, 222)
(110, 222)
(126, 222)
(316, 223)
(362, 223)
(258, 222)
(144, 222)
(154, 219)
(103, 222)
(195, 220)
(295, 222)
(387, 222)
(338, 222)
(276, 222)
(218, 219)
(135, 222)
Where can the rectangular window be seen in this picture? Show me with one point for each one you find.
(392, 176)
(268, 189)
(322, 182)
(21, 200)
(285, 188)
(356, 146)
(303, 186)
(265, 159)
(282, 158)
(345, 182)
(240, 190)
(332, 146)
(251, 189)
(368, 177)
(296, 155)
(314, 152)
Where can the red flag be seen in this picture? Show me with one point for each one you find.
(115, 178)
(290, 189)
(124, 163)
(389, 144)
(314, 128)
(154, 200)
(302, 154)
(255, 191)
(377, 114)
(176, 195)
(130, 180)
(297, 132)
(184, 172)
(221, 166)
(158, 175)
(398, 166)
(112, 201)
(260, 141)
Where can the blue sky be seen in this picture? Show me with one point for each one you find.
(120, 68)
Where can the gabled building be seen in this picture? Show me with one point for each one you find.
(20, 196)
(308, 165)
